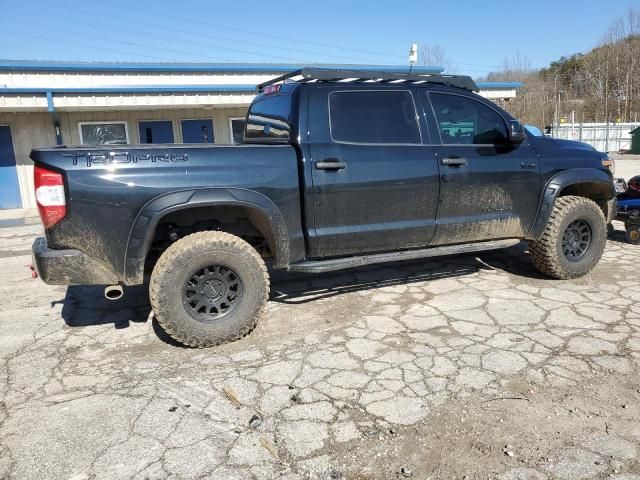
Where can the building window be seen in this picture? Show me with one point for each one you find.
(156, 131)
(197, 131)
(373, 117)
(236, 127)
(103, 133)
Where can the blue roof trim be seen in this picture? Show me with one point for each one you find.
(134, 89)
(30, 65)
(240, 88)
(489, 85)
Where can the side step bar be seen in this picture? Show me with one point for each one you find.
(321, 266)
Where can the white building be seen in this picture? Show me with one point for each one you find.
(49, 103)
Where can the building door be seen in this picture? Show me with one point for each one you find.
(160, 131)
(197, 131)
(9, 188)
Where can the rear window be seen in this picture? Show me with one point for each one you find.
(373, 117)
(269, 119)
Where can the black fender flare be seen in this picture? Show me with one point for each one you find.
(144, 226)
(559, 182)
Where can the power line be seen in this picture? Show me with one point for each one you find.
(150, 47)
(206, 35)
(279, 37)
(77, 44)
(66, 30)
(229, 39)
(181, 52)
(261, 54)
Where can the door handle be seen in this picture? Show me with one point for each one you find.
(454, 161)
(528, 165)
(331, 164)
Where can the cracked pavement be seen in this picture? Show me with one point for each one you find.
(460, 367)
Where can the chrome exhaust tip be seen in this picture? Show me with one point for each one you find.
(113, 292)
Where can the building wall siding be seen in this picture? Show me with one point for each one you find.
(99, 79)
(34, 129)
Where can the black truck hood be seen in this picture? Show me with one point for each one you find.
(560, 142)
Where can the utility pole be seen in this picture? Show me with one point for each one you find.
(557, 100)
(413, 56)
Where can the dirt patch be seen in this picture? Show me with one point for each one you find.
(527, 430)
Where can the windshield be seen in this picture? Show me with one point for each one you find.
(533, 131)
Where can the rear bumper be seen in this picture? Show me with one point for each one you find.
(68, 267)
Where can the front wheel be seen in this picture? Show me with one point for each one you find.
(209, 288)
(573, 240)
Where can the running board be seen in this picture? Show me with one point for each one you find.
(321, 266)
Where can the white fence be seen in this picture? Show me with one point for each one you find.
(606, 137)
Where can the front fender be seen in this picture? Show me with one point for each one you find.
(588, 182)
(143, 230)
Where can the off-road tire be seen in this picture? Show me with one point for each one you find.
(188, 255)
(547, 252)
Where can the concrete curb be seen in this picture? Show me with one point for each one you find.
(18, 213)
(19, 217)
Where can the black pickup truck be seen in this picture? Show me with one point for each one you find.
(338, 168)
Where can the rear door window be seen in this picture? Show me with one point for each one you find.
(382, 117)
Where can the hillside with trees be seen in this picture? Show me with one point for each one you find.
(602, 84)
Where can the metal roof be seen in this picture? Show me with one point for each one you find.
(486, 85)
(133, 89)
(52, 65)
(181, 88)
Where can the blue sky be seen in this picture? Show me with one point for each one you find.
(476, 36)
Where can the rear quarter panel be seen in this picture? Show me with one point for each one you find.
(107, 187)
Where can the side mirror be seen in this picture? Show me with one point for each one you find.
(517, 133)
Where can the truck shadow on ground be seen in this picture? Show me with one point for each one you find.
(297, 288)
(85, 306)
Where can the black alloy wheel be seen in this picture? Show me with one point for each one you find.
(576, 240)
(212, 292)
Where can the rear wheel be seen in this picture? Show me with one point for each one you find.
(209, 288)
(573, 240)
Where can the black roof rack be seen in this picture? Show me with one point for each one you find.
(314, 74)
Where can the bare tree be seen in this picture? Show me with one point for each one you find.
(517, 68)
(434, 56)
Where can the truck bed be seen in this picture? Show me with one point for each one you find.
(108, 188)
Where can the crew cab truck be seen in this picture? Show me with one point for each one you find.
(338, 168)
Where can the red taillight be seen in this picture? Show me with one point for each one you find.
(50, 196)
